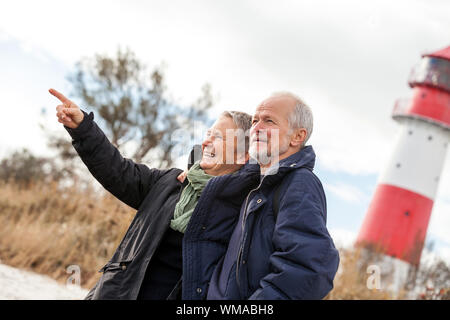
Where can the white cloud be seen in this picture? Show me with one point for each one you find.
(349, 143)
(20, 126)
(346, 192)
(349, 64)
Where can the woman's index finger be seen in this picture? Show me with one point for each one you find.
(59, 96)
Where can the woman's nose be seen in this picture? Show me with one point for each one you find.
(206, 142)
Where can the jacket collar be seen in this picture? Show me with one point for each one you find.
(305, 158)
(249, 175)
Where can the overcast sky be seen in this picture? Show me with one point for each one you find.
(349, 60)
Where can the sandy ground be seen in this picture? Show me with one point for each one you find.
(16, 284)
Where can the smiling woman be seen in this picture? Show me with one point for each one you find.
(222, 147)
(151, 258)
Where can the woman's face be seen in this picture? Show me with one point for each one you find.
(220, 148)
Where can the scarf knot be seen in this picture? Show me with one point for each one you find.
(189, 197)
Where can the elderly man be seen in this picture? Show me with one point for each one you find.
(280, 248)
(154, 260)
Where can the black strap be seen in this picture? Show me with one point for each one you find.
(276, 196)
(276, 200)
(195, 155)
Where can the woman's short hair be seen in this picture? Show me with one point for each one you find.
(243, 121)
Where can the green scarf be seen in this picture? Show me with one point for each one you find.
(189, 196)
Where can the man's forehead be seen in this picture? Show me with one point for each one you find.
(275, 104)
(278, 100)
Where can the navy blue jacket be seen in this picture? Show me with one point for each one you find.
(291, 258)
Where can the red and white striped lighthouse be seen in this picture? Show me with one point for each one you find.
(397, 219)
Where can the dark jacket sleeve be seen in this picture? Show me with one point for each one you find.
(305, 259)
(128, 181)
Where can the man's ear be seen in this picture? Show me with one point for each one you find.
(298, 137)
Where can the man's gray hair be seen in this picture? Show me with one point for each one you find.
(301, 117)
(243, 121)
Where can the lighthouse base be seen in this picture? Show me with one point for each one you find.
(387, 273)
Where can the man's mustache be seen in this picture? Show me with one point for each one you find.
(258, 139)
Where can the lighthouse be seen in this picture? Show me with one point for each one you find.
(397, 218)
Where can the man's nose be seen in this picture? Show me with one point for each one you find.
(258, 128)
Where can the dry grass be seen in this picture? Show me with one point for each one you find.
(45, 228)
(351, 280)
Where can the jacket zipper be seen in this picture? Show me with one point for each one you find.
(244, 236)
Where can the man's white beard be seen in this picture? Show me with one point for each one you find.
(260, 156)
(263, 156)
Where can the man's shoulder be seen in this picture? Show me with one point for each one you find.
(304, 180)
(303, 186)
